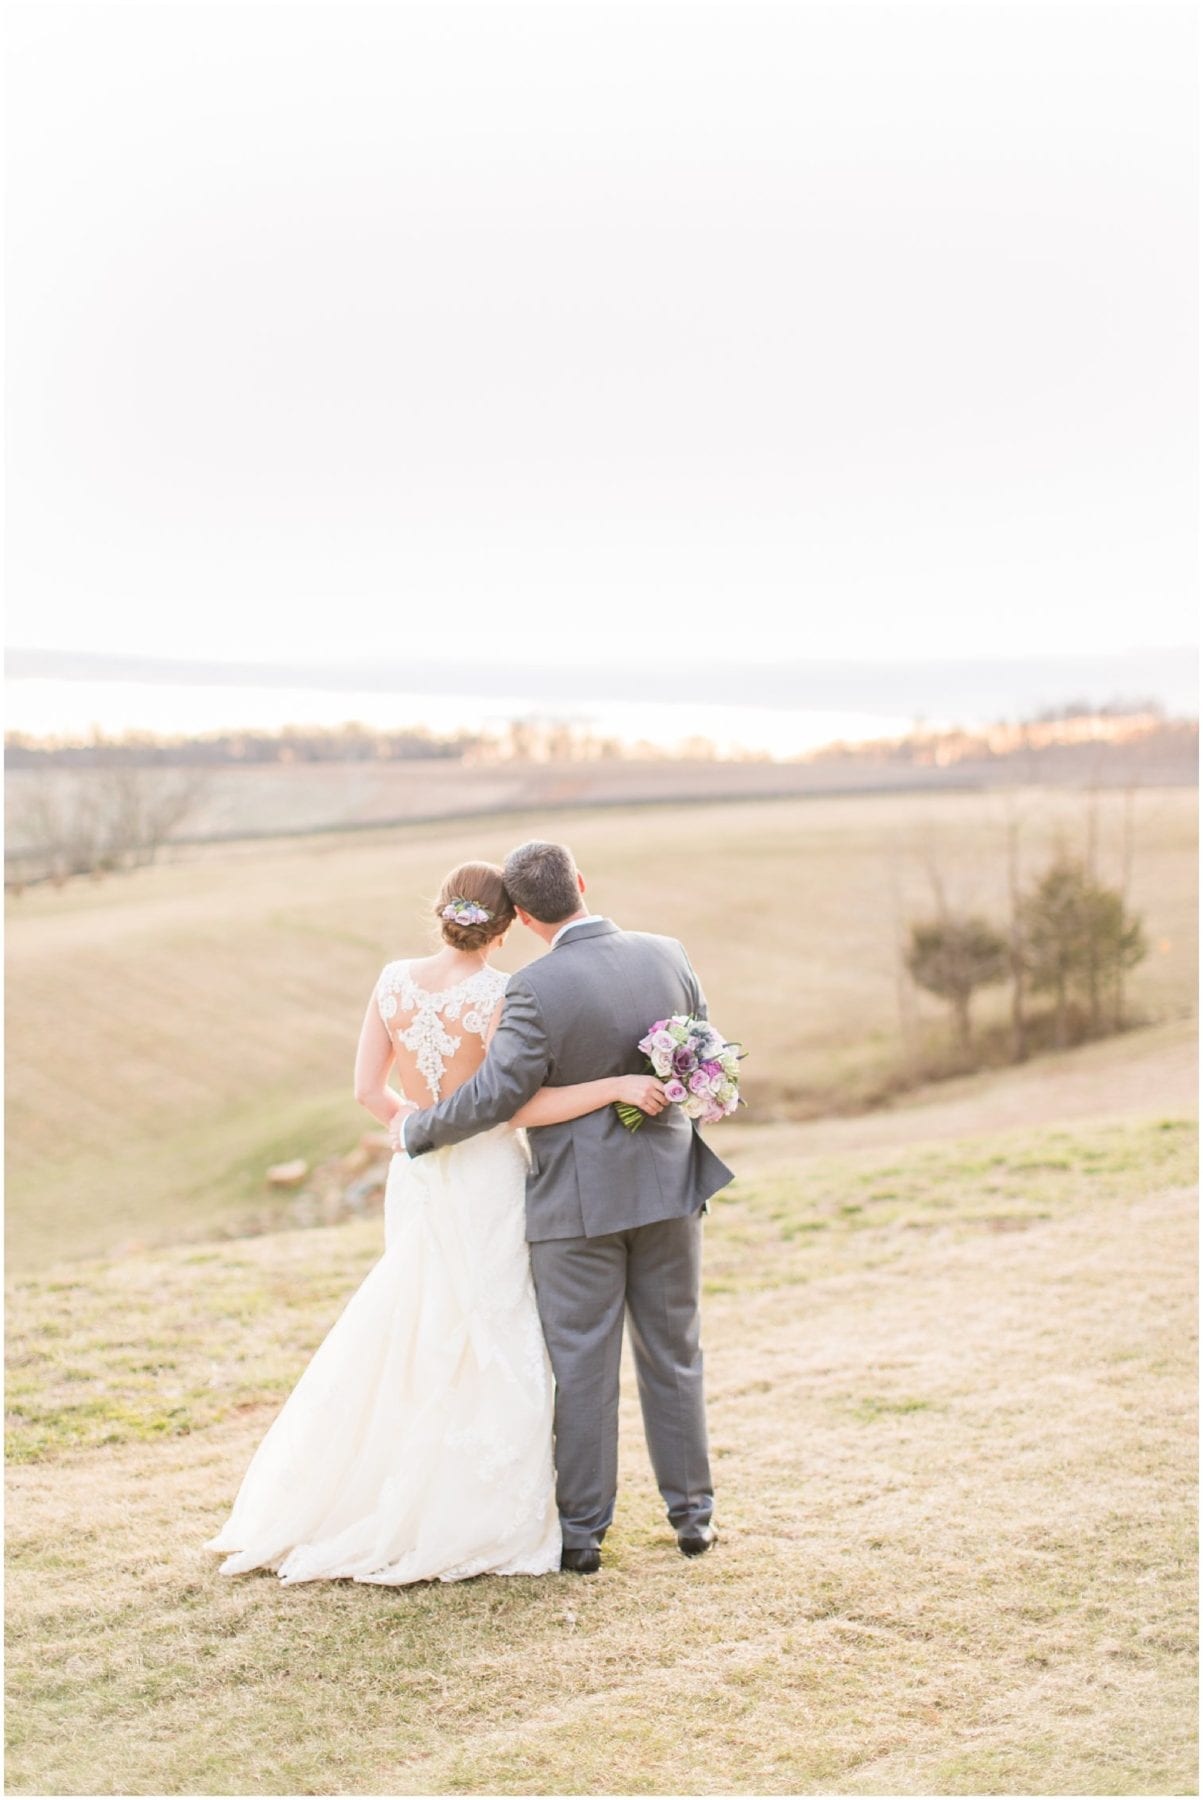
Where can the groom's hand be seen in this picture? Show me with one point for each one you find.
(396, 1124)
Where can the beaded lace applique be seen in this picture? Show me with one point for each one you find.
(472, 1002)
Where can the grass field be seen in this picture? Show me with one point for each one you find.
(173, 1032)
(951, 1394)
(949, 1344)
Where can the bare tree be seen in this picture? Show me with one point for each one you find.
(168, 802)
(1091, 972)
(50, 810)
(1127, 864)
(88, 821)
(903, 987)
(927, 855)
(1092, 831)
(521, 740)
(120, 792)
(1015, 943)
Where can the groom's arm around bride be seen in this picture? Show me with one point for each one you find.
(516, 1067)
(576, 1016)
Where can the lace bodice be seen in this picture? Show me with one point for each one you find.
(416, 1017)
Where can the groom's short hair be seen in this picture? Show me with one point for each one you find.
(542, 880)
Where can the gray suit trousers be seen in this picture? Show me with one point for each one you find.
(585, 1286)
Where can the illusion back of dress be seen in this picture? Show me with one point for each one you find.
(438, 1035)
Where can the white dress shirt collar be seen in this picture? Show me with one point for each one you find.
(589, 919)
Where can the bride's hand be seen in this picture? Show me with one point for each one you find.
(643, 1091)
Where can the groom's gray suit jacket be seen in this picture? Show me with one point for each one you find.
(574, 1015)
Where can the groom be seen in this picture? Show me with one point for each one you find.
(613, 1218)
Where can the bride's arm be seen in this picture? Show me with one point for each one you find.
(373, 1060)
(553, 1105)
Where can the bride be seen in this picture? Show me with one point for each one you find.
(417, 1444)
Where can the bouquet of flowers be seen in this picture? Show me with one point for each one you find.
(696, 1063)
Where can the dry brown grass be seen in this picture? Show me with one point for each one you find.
(173, 1032)
(951, 1392)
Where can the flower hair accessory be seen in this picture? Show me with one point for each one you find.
(467, 912)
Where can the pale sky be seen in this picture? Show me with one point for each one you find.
(538, 334)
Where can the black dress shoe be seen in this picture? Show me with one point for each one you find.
(696, 1540)
(581, 1562)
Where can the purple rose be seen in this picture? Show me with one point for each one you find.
(699, 1082)
(676, 1091)
(685, 1062)
(713, 1068)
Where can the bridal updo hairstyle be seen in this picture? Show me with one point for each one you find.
(482, 882)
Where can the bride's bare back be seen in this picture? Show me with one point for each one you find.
(438, 1034)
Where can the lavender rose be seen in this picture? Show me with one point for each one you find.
(698, 1066)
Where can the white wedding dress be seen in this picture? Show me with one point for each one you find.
(417, 1444)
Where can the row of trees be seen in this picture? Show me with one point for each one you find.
(1071, 937)
(1075, 736)
(348, 743)
(528, 739)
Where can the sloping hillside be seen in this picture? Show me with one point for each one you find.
(952, 1409)
(173, 1032)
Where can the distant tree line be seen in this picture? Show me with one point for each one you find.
(1064, 738)
(1147, 708)
(1081, 740)
(293, 744)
